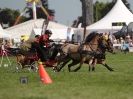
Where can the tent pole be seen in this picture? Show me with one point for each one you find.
(19, 17)
(84, 32)
(34, 10)
(46, 22)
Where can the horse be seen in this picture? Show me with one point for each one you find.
(79, 53)
(102, 46)
(105, 45)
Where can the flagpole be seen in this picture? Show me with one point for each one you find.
(34, 10)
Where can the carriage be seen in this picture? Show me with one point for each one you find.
(29, 59)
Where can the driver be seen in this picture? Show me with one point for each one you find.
(45, 45)
(44, 42)
(45, 39)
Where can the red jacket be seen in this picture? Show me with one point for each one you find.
(44, 40)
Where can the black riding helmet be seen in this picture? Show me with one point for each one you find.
(36, 36)
(48, 32)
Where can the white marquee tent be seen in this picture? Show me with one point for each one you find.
(28, 27)
(3, 33)
(119, 13)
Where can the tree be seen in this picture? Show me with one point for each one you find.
(101, 9)
(8, 16)
(87, 12)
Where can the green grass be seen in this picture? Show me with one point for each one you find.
(101, 84)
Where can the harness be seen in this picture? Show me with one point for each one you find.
(94, 53)
(85, 51)
(82, 53)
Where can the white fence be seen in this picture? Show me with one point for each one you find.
(123, 46)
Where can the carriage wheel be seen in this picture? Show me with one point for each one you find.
(33, 66)
(18, 67)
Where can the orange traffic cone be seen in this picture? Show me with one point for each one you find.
(44, 75)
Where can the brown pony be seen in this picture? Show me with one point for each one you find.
(105, 45)
(90, 52)
(79, 53)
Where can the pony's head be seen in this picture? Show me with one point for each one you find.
(91, 36)
(105, 44)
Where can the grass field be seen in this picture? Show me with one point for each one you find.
(101, 84)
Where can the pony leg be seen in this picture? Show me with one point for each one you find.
(75, 70)
(105, 65)
(74, 62)
(108, 67)
(81, 63)
(94, 64)
(62, 64)
(90, 64)
(62, 60)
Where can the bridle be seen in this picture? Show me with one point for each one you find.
(105, 46)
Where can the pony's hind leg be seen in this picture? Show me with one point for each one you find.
(74, 62)
(81, 63)
(62, 64)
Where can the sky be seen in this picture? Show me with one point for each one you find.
(65, 10)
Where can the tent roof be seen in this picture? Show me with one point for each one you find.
(119, 13)
(3, 33)
(27, 27)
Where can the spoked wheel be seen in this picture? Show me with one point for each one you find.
(18, 68)
(34, 66)
(27, 68)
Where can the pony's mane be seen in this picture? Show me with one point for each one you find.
(90, 37)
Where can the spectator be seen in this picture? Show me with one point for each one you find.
(128, 39)
(115, 41)
(130, 44)
(122, 40)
